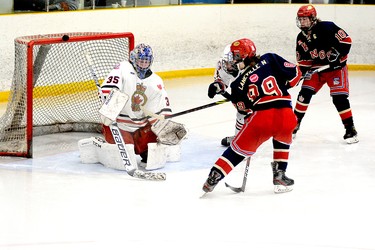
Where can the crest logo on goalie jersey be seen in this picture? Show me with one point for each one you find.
(139, 98)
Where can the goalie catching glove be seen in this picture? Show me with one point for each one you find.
(112, 106)
(169, 132)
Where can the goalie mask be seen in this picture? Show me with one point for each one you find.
(141, 57)
(227, 63)
(306, 17)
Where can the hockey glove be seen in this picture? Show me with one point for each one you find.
(169, 132)
(333, 55)
(217, 87)
(307, 75)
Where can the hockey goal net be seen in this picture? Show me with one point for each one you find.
(52, 89)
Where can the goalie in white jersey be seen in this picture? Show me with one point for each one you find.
(225, 74)
(145, 93)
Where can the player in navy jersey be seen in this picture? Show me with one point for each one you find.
(323, 43)
(261, 88)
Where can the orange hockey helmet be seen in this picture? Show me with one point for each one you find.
(306, 11)
(242, 49)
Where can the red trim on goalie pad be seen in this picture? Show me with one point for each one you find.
(140, 138)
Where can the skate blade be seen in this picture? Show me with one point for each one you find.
(203, 194)
(279, 189)
(352, 140)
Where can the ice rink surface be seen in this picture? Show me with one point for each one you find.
(54, 202)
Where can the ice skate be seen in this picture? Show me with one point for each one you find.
(296, 130)
(281, 182)
(213, 179)
(226, 141)
(351, 135)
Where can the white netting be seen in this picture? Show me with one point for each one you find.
(65, 97)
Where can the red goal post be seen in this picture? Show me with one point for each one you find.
(52, 90)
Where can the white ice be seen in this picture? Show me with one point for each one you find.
(54, 202)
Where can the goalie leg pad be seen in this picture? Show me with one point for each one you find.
(156, 157)
(169, 132)
(87, 150)
(96, 150)
(173, 152)
(127, 136)
(109, 156)
(159, 154)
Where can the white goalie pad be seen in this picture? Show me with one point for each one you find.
(159, 154)
(96, 150)
(169, 132)
(112, 106)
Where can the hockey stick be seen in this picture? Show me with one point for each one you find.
(116, 133)
(162, 117)
(225, 94)
(313, 72)
(242, 188)
(320, 69)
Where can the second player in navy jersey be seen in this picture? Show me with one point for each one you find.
(323, 43)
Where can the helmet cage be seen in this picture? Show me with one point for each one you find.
(306, 11)
(229, 66)
(227, 61)
(141, 58)
(237, 57)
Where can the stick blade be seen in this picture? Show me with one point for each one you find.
(234, 189)
(149, 176)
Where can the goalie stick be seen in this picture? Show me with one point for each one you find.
(242, 188)
(116, 133)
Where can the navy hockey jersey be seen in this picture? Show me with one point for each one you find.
(312, 48)
(265, 85)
